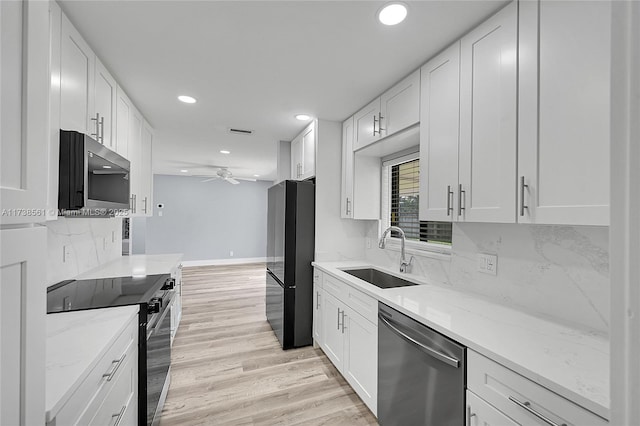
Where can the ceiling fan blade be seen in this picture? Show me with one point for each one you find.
(247, 179)
(232, 180)
(210, 179)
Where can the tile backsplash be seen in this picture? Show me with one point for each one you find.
(76, 245)
(561, 272)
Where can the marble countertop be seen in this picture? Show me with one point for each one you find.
(573, 363)
(140, 264)
(75, 343)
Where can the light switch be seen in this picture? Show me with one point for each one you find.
(487, 263)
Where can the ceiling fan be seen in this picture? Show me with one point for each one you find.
(226, 175)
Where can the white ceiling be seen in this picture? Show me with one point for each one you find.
(255, 64)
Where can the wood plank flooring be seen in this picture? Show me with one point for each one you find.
(228, 368)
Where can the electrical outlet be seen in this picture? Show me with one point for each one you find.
(487, 263)
(231, 253)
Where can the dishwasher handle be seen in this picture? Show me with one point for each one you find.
(430, 351)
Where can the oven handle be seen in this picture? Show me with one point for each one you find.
(435, 354)
(168, 306)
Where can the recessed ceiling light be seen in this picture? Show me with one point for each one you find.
(106, 167)
(392, 13)
(256, 175)
(187, 99)
(224, 151)
(184, 171)
(302, 117)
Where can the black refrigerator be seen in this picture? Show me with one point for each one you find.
(290, 249)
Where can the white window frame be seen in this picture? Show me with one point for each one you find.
(420, 248)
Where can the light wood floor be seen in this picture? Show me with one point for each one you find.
(227, 366)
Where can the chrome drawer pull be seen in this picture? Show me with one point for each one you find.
(119, 415)
(118, 363)
(527, 406)
(435, 354)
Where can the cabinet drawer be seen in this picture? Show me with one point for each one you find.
(362, 303)
(95, 386)
(334, 286)
(117, 405)
(505, 389)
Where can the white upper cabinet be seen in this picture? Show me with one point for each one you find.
(76, 81)
(346, 200)
(366, 125)
(563, 156)
(439, 136)
(146, 178)
(105, 107)
(135, 158)
(400, 105)
(303, 153)
(488, 119)
(397, 109)
(123, 116)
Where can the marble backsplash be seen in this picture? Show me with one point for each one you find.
(77, 245)
(560, 272)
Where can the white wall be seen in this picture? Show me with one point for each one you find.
(207, 220)
(89, 243)
(561, 272)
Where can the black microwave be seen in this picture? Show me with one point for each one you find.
(93, 180)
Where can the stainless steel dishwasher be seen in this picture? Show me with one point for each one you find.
(421, 373)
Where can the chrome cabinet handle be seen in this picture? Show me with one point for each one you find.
(338, 319)
(469, 415)
(348, 206)
(97, 120)
(145, 205)
(375, 120)
(523, 206)
(135, 203)
(429, 351)
(460, 199)
(118, 363)
(131, 203)
(380, 129)
(101, 127)
(119, 415)
(449, 197)
(343, 327)
(317, 300)
(527, 406)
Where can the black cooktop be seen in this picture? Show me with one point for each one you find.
(77, 295)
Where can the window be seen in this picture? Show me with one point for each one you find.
(402, 201)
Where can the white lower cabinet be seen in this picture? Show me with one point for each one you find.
(176, 309)
(317, 308)
(347, 336)
(479, 413)
(109, 393)
(522, 401)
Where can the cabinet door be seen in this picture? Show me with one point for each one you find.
(309, 151)
(488, 119)
(439, 136)
(123, 118)
(366, 126)
(563, 151)
(361, 357)
(146, 178)
(346, 199)
(332, 333)
(76, 81)
(22, 325)
(400, 105)
(480, 413)
(318, 301)
(296, 158)
(24, 132)
(105, 105)
(135, 158)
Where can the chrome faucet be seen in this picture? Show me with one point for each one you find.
(404, 265)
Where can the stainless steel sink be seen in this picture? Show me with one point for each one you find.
(378, 278)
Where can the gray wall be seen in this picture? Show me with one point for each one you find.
(207, 220)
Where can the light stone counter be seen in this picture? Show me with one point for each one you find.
(573, 363)
(140, 264)
(75, 343)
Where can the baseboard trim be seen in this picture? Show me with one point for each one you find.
(214, 262)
